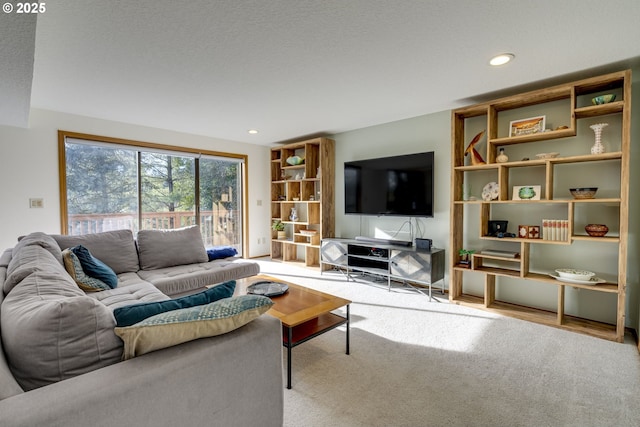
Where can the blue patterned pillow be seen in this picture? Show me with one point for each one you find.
(95, 268)
(84, 282)
(187, 324)
(131, 314)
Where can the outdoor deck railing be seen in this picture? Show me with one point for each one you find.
(218, 227)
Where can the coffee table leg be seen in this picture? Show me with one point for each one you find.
(348, 324)
(290, 339)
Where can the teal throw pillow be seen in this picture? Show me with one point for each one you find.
(95, 268)
(178, 326)
(83, 280)
(131, 314)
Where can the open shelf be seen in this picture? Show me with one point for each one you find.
(567, 105)
(308, 188)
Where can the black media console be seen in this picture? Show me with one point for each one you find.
(394, 262)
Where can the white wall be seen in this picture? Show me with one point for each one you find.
(420, 134)
(29, 168)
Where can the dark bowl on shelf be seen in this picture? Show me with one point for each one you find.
(596, 230)
(583, 192)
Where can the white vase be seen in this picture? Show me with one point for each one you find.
(598, 148)
(502, 158)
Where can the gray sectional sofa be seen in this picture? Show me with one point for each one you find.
(61, 360)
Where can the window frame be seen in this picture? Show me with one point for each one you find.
(62, 167)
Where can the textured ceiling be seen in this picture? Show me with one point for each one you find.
(294, 68)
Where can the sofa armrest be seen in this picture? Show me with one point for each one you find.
(229, 380)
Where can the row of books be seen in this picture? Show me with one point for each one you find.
(555, 229)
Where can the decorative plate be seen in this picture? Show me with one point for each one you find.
(267, 288)
(575, 274)
(491, 191)
(594, 280)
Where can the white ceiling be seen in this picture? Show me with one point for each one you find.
(295, 68)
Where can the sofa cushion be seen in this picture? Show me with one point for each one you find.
(52, 331)
(116, 248)
(135, 293)
(40, 239)
(166, 248)
(187, 324)
(131, 314)
(84, 281)
(26, 261)
(183, 278)
(95, 268)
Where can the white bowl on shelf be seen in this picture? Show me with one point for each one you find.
(574, 274)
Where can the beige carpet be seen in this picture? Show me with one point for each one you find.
(419, 363)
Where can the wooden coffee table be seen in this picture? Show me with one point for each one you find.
(305, 313)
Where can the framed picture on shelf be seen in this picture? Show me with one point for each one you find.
(526, 192)
(527, 126)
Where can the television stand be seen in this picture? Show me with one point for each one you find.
(390, 261)
(384, 241)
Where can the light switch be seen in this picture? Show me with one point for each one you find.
(36, 203)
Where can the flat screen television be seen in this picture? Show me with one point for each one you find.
(398, 185)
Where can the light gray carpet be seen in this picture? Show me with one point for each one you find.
(420, 363)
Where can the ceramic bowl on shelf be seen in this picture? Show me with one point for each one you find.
(603, 99)
(574, 274)
(583, 192)
(547, 155)
(596, 230)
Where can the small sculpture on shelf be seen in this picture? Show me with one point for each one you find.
(476, 158)
(294, 214)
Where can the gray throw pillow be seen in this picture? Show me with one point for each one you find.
(116, 248)
(166, 248)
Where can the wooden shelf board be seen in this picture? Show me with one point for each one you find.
(544, 317)
(605, 239)
(609, 200)
(542, 136)
(588, 158)
(499, 258)
(498, 271)
(590, 327)
(608, 287)
(517, 239)
(542, 162)
(599, 110)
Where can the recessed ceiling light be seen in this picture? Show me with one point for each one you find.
(253, 131)
(501, 59)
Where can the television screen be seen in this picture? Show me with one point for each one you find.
(399, 185)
